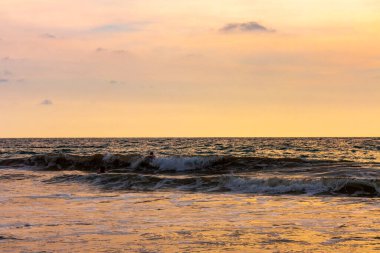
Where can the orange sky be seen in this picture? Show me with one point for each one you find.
(127, 68)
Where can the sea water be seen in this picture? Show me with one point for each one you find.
(196, 195)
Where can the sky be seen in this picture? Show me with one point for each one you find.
(175, 68)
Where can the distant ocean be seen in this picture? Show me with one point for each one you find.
(195, 195)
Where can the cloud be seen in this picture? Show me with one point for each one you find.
(120, 51)
(7, 73)
(2, 80)
(100, 49)
(115, 82)
(116, 27)
(48, 36)
(117, 51)
(46, 102)
(245, 27)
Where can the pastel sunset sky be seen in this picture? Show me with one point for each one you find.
(150, 68)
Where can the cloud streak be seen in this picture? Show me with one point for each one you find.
(115, 82)
(113, 51)
(118, 27)
(48, 36)
(245, 27)
(7, 73)
(46, 102)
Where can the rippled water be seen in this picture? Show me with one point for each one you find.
(197, 195)
(355, 149)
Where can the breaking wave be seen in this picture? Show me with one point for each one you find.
(227, 183)
(257, 175)
(140, 163)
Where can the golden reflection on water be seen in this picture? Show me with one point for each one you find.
(37, 217)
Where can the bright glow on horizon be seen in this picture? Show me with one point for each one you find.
(122, 68)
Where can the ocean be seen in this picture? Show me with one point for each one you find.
(195, 195)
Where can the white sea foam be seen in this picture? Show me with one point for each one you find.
(228, 183)
(108, 157)
(182, 163)
(309, 186)
(272, 185)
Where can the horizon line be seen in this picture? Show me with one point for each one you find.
(185, 137)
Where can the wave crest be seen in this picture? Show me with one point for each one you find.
(161, 164)
(228, 183)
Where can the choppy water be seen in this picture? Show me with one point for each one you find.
(206, 194)
(352, 149)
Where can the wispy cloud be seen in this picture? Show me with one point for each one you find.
(46, 102)
(7, 73)
(3, 80)
(48, 36)
(119, 27)
(245, 27)
(100, 49)
(120, 51)
(114, 51)
(116, 82)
